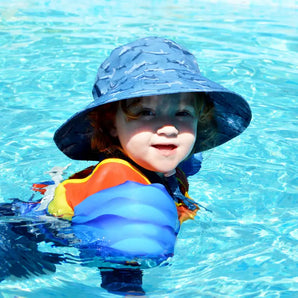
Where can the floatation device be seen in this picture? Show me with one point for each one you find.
(41, 187)
(131, 222)
(118, 220)
(108, 173)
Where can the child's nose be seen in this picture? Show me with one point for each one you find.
(167, 130)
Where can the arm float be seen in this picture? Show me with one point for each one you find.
(131, 222)
(115, 218)
(108, 173)
(118, 215)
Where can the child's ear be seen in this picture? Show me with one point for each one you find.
(113, 132)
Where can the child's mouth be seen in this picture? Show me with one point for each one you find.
(165, 147)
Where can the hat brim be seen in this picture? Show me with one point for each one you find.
(232, 113)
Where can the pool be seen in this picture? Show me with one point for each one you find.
(247, 246)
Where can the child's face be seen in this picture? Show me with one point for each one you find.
(161, 133)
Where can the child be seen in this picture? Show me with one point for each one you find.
(152, 113)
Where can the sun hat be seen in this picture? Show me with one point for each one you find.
(145, 67)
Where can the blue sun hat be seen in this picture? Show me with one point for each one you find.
(153, 66)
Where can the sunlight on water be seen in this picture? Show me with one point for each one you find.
(247, 245)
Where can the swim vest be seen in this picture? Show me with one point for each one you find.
(108, 174)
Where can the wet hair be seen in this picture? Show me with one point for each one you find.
(103, 117)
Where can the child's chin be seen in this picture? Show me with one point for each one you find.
(166, 171)
(163, 167)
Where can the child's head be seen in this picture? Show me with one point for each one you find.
(152, 73)
(156, 132)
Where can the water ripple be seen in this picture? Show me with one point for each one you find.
(247, 246)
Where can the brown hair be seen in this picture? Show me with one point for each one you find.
(102, 120)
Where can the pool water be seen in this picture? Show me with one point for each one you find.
(247, 246)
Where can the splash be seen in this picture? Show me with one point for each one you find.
(56, 174)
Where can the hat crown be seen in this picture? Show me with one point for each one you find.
(145, 59)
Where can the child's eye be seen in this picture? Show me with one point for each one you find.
(184, 113)
(146, 112)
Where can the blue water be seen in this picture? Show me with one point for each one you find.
(247, 247)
